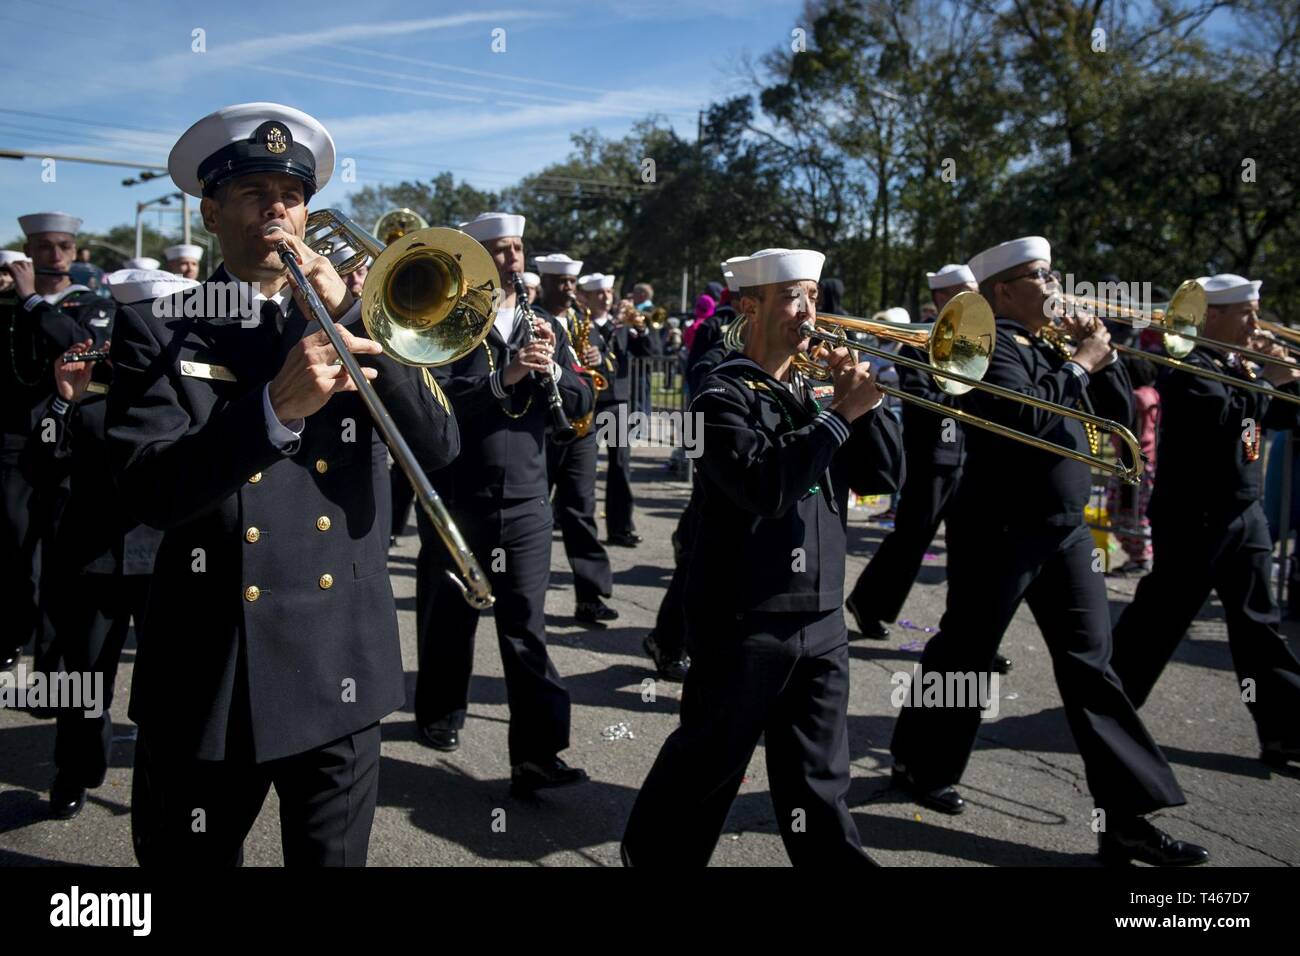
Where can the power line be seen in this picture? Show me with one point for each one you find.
(516, 92)
(433, 64)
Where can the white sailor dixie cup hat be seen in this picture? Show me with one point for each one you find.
(137, 285)
(487, 226)
(730, 277)
(252, 138)
(8, 255)
(146, 263)
(896, 315)
(949, 276)
(597, 280)
(183, 251)
(1228, 289)
(768, 266)
(558, 264)
(36, 222)
(1002, 257)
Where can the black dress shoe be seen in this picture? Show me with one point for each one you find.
(1000, 664)
(529, 776)
(66, 799)
(594, 612)
(627, 539)
(445, 739)
(1138, 839)
(9, 657)
(668, 666)
(944, 799)
(871, 628)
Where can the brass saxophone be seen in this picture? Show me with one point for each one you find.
(581, 325)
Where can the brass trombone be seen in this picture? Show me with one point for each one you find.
(1290, 337)
(428, 300)
(959, 344)
(1181, 324)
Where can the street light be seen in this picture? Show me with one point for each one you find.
(166, 200)
(145, 176)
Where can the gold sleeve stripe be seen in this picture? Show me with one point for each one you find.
(434, 387)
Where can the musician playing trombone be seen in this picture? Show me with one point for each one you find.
(269, 651)
(1016, 532)
(1211, 533)
(935, 453)
(764, 595)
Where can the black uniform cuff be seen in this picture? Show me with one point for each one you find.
(837, 423)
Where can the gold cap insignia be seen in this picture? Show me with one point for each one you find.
(276, 142)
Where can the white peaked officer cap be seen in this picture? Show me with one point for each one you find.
(48, 222)
(183, 251)
(597, 280)
(777, 265)
(487, 226)
(252, 138)
(949, 276)
(532, 280)
(8, 255)
(897, 315)
(141, 262)
(139, 285)
(1010, 254)
(730, 277)
(558, 264)
(1229, 289)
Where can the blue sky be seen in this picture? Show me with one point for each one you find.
(407, 89)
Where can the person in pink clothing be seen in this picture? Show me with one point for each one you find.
(1127, 504)
(704, 307)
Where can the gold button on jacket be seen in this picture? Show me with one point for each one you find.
(254, 479)
(323, 523)
(322, 465)
(326, 581)
(251, 535)
(252, 592)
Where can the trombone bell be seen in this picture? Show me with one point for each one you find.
(430, 297)
(960, 341)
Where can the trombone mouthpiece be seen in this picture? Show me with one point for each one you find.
(807, 328)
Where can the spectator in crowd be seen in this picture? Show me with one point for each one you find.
(1126, 505)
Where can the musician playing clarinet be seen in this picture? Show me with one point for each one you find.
(497, 493)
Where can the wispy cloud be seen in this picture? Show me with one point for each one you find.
(173, 69)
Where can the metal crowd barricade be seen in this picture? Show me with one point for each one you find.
(658, 386)
(1125, 520)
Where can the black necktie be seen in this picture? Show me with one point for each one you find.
(294, 325)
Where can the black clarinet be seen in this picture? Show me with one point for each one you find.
(562, 432)
(97, 355)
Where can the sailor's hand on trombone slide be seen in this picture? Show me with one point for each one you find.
(855, 387)
(310, 374)
(1285, 370)
(317, 268)
(1092, 339)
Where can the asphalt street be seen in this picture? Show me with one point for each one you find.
(1028, 803)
